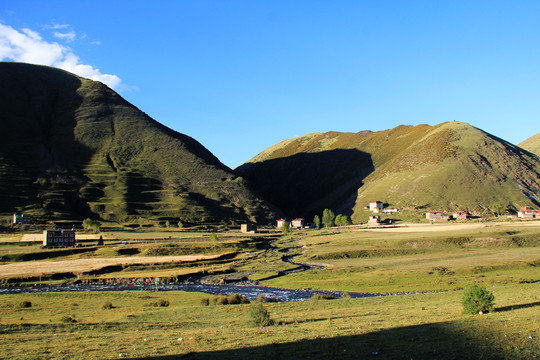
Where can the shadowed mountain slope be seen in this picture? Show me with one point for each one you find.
(532, 144)
(451, 166)
(71, 147)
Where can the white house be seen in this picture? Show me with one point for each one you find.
(297, 223)
(281, 222)
(375, 206)
(374, 219)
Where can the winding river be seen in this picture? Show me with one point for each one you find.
(249, 291)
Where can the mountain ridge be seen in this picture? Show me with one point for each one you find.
(72, 147)
(449, 166)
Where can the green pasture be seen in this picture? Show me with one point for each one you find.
(421, 326)
(416, 261)
(505, 259)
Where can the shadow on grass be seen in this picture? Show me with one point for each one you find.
(447, 340)
(515, 307)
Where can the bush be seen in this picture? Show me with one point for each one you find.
(159, 303)
(260, 299)
(221, 300)
(441, 270)
(476, 300)
(261, 316)
(205, 301)
(107, 305)
(237, 299)
(68, 319)
(322, 297)
(232, 299)
(25, 304)
(90, 224)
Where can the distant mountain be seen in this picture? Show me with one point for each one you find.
(532, 144)
(451, 166)
(71, 147)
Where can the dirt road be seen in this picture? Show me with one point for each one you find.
(408, 228)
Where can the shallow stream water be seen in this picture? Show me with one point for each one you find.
(249, 291)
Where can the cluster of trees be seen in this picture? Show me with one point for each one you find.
(91, 225)
(168, 224)
(330, 219)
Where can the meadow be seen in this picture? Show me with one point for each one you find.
(419, 326)
(401, 260)
(431, 264)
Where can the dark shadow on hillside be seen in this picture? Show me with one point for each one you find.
(515, 307)
(430, 341)
(40, 156)
(306, 183)
(141, 191)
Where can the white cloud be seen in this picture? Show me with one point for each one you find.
(68, 36)
(57, 26)
(28, 46)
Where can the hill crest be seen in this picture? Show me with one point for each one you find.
(532, 144)
(72, 147)
(450, 166)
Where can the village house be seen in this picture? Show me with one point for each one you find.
(529, 214)
(280, 223)
(297, 223)
(374, 220)
(58, 238)
(375, 206)
(436, 216)
(460, 215)
(22, 219)
(248, 228)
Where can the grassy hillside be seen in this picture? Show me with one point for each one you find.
(532, 144)
(72, 147)
(451, 166)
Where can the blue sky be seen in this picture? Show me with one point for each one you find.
(240, 76)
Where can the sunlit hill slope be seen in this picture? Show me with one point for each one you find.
(451, 166)
(532, 144)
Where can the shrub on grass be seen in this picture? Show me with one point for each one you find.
(261, 316)
(90, 224)
(159, 303)
(260, 299)
(205, 301)
(107, 305)
(25, 304)
(222, 300)
(317, 297)
(476, 300)
(441, 270)
(234, 299)
(68, 319)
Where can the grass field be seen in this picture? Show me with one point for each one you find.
(504, 258)
(422, 326)
(397, 260)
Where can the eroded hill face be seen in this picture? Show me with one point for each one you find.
(451, 166)
(71, 147)
(532, 144)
